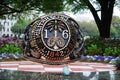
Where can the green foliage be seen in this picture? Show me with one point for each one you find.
(20, 26)
(108, 51)
(115, 27)
(113, 51)
(76, 6)
(16, 7)
(102, 47)
(103, 22)
(52, 6)
(10, 48)
(93, 49)
(88, 28)
(114, 32)
(115, 20)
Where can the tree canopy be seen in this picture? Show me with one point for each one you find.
(115, 20)
(20, 26)
(116, 26)
(105, 7)
(15, 7)
(88, 28)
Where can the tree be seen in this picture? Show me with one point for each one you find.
(105, 7)
(116, 25)
(88, 28)
(20, 26)
(15, 7)
(115, 21)
(114, 32)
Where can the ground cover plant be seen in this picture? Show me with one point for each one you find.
(10, 48)
(95, 50)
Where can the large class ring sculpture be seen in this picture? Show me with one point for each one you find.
(53, 39)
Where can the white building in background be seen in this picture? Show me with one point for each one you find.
(7, 24)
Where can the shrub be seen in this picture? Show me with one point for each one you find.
(104, 47)
(9, 45)
(10, 48)
(93, 49)
(113, 51)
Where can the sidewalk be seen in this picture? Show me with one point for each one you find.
(38, 67)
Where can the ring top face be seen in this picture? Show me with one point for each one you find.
(55, 34)
(53, 39)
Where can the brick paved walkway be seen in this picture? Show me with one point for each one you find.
(38, 67)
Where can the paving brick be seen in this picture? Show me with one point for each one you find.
(38, 67)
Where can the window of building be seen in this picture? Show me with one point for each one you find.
(8, 23)
(4, 22)
(11, 23)
(8, 29)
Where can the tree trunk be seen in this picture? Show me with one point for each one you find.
(106, 17)
(104, 23)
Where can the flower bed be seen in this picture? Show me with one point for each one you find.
(97, 58)
(9, 45)
(10, 48)
(6, 56)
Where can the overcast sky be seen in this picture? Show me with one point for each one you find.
(88, 16)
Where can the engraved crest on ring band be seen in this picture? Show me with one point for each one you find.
(55, 34)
